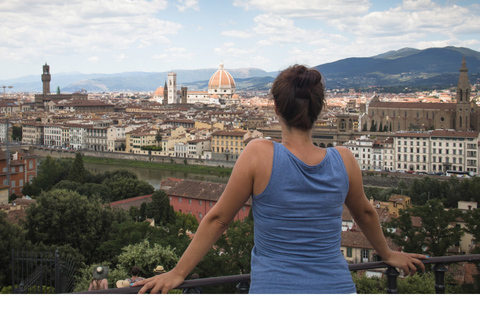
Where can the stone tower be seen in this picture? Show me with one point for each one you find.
(172, 88)
(165, 94)
(463, 110)
(46, 77)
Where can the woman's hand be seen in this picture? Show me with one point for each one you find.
(162, 283)
(408, 262)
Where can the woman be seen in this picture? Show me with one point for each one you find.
(298, 192)
(99, 281)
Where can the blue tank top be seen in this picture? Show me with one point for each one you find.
(298, 224)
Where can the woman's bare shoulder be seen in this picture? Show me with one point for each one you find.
(259, 145)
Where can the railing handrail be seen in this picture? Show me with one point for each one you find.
(246, 277)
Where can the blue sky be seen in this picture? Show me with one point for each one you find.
(110, 36)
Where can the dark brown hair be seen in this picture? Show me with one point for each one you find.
(135, 271)
(299, 96)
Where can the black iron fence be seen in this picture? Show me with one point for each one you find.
(42, 272)
(242, 281)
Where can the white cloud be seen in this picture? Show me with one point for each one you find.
(93, 59)
(58, 27)
(175, 54)
(187, 4)
(237, 34)
(319, 9)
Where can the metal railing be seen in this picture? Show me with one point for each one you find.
(392, 274)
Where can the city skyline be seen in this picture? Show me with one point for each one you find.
(156, 36)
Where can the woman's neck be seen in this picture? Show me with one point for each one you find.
(293, 137)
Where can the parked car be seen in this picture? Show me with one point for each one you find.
(410, 171)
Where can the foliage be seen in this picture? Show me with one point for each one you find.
(17, 133)
(147, 256)
(65, 217)
(159, 208)
(124, 184)
(12, 236)
(125, 234)
(85, 276)
(50, 172)
(151, 148)
(366, 285)
(472, 223)
(77, 172)
(434, 236)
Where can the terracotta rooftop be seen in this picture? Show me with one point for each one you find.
(209, 191)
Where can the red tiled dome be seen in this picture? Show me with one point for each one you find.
(221, 79)
(158, 92)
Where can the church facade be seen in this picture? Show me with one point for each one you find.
(221, 91)
(461, 115)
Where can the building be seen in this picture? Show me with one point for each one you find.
(221, 91)
(437, 151)
(227, 145)
(23, 168)
(198, 198)
(42, 99)
(462, 115)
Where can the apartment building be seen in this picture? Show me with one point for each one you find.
(52, 135)
(96, 138)
(140, 138)
(32, 133)
(23, 168)
(227, 145)
(362, 150)
(436, 151)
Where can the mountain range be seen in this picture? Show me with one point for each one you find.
(407, 67)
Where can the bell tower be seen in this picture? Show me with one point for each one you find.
(46, 77)
(462, 110)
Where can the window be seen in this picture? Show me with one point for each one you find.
(349, 252)
(180, 199)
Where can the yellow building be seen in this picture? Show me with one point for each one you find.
(135, 140)
(227, 145)
(398, 202)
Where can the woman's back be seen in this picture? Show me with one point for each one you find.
(298, 225)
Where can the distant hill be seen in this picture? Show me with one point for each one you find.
(405, 67)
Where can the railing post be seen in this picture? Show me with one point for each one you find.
(58, 285)
(13, 270)
(440, 270)
(392, 275)
(243, 287)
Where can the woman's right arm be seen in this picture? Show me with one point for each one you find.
(237, 192)
(366, 217)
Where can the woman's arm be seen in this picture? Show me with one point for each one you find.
(237, 192)
(366, 218)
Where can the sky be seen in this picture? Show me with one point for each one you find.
(113, 36)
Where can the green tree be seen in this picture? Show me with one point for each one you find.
(62, 217)
(17, 133)
(237, 244)
(77, 172)
(124, 184)
(437, 231)
(364, 128)
(158, 136)
(472, 225)
(147, 256)
(12, 236)
(127, 233)
(50, 172)
(160, 209)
